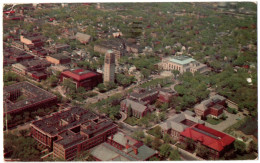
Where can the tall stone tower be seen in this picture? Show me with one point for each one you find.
(109, 67)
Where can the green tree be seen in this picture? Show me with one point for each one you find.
(240, 146)
(148, 141)
(174, 155)
(165, 150)
(175, 73)
(101, 87)
(202, 151)
(156, 143)
(167, 138)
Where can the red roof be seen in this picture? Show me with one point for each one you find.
(79, 74)
(208, 136)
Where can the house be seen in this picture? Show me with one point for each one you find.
(83, 38)
(212, 107)
(178, 123)
(82, 78)
(216, 142)
(121, 147)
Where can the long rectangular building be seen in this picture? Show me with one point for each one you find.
(24, 96)
(71, 131)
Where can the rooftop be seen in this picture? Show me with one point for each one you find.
(32, 93)
(177, 122)
(181, 59)
(64, 120)
(60, 56)
(208, 137)
(80, 74)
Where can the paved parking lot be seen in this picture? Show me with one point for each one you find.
(232, 119)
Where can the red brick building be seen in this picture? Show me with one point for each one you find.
(33, 98)
(216, 142)
(82, 78)
(213, 107)
(141, 99)
(71, 131)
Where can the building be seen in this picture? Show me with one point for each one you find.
(24, 96)
(109, 67)
(183, 64)
(36, 69)
(61, 47)
(178, 123)
(13, 55)
(82, 78)
(59, 58)
(56, 69)
(138, 109)
(140, 100)
(71, 131)
(83, 38)
(120, 147)
(217, 142)
(117, 45)
(33, 39)
(212, 107)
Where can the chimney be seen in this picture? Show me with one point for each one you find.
(135, 151)
(127, 144)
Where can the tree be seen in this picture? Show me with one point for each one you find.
(165, 150)
(154, 158)
(69, 85)
(174, 155)
(162, 116)
(146, 72)
(202, 151)
(156, 143)
(148, 141)
(52, 81)
(175, 73)
(138, 135)
(167, 138)
(240, 146)
(101, 87)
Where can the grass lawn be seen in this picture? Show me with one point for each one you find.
(213, 121)
(131, 121)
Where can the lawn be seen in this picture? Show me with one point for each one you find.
(214, 121)
(131, 121)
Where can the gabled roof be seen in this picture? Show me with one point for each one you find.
(208, 137)
(134, 105)
(176, 124)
